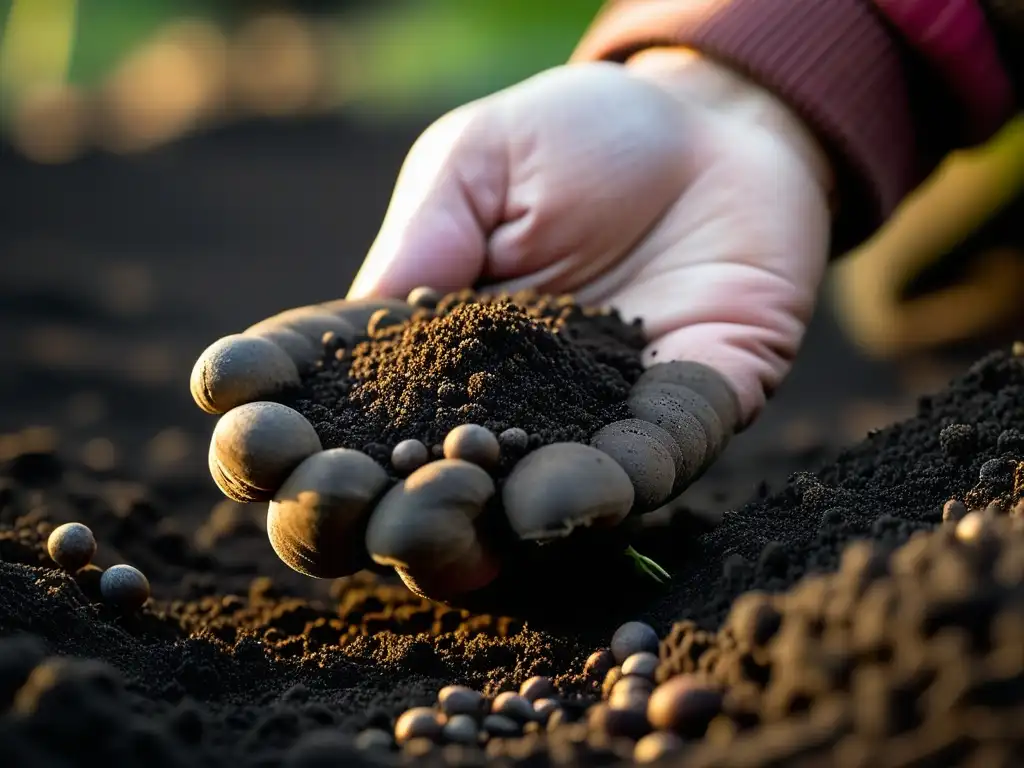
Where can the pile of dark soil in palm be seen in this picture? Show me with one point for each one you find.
(543, 364)
(229, 666)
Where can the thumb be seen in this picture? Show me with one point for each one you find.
(448, 198)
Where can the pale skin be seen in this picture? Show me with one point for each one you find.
(670, 188)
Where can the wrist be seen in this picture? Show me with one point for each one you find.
(699, 81)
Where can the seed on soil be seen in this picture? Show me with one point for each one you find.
(599, 664)
(643, 664)
(460, 700)
(544, 708)
(374, 739)
(473, 443)
(423, 297)
(627, 697)
(315, 522)
(564, 485)
(124, 587)
(650, 466)
(408, 456)
(514, 440)
(240, 369)
(256, 446)
(633, 637)
(513, 705)
(417, 723)
(537, 687)
(685, 705)
(461, 729)
(71, 546)
(424, 526)
(657, 746)
(501, 726)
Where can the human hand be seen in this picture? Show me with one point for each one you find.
(670, 188)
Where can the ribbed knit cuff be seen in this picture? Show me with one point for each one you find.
(833, 61)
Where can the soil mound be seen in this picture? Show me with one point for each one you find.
(234, 662)
(544, 365)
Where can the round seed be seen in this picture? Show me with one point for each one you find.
(417, 723)
(124, 587)
(424, 297)
(501, 726)
(643, 664)
(683, 704)
(656, 746)
(513, 705)
(460, 700)
(71, 546)
(461, 729)
(408, 456)
(473, 443)
(538, 687)
(633, 637)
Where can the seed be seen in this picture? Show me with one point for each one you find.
(473, 443)
(124, 587)
(460, 700)
(633, 637)
(643, 664)
(535, 688)
(416, 723)
(408, 456)
(71, 546)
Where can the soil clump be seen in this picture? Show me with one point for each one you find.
(542, 364)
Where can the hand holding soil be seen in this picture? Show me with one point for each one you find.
(459, 439)
(670, 189)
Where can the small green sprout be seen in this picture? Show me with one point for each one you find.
(648, 567)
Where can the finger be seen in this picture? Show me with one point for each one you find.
(449, 195)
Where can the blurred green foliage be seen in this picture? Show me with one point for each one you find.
(413, 54)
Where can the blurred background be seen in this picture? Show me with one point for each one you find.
(173, 170)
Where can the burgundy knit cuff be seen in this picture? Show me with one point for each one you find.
(833, 61)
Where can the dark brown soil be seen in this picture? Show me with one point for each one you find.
(541, 364)
(239, 662)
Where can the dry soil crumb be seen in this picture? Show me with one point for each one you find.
(542, 364)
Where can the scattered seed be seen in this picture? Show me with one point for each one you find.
(71, 546)
(656, 746)
(408, 456)
(538, 687)
(460, 700)
(501, 726)
(416, 723)
(513, 705)
(461, 729)
(643, 664)
(473, 443)
(124, 587)
(633, 637)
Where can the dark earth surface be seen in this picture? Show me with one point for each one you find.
(116, 273)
